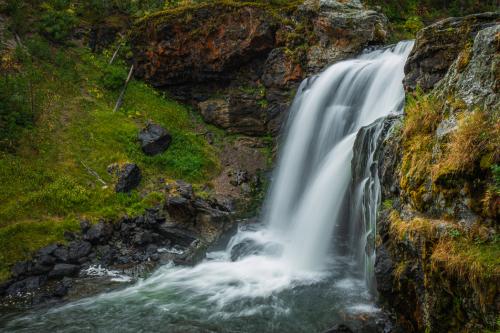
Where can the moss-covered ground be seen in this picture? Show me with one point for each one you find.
(45, 183)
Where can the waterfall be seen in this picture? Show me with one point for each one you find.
(309, 263)
(308, 199)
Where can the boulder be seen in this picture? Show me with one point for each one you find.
(22, 268)
(129, 178)
(29, 284)
(178, 236)
(438, 45)
(99, 233)
(78, 250)
(154, 139)
(61, 254)
(64, 270)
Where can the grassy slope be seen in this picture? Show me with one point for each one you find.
(46, 189)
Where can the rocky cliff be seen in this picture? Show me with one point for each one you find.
(438, 247)
(239, 63)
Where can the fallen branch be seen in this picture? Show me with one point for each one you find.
(119, 102)
(93, 173)
(115, 54)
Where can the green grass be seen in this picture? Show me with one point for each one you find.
(46, 188)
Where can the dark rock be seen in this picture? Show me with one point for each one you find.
(61, 254)
(63, 270)
(384, 268)
(69, 236)
(29, 284)
(129, 178)
(99, 233)
(85, 225)
(48, 250)
(78, 250)
(154, 139)
(184, 189)
(180, 209)
(339, 329)
(438, 45)
(22, 268)
(177, 235)
(143, 238)
(46, 260)
(63, 287)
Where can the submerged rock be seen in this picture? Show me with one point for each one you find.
(154, 139)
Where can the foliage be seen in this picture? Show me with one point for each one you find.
(113, 77)
(44, 182)
(58, 23)
(408, 16)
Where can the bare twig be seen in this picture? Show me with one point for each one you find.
(119, 102)
(115, 54)
(93, 173)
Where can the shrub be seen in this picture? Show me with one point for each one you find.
(113, 77)
(57, 24)
(15, 111)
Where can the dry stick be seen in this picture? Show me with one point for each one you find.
(93, 173)
(115, 54)
(122, 94)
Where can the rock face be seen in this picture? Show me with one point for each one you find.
(240, 63)
(154, 139)
(438, 45)
(432, 221)
(343, 28)
(129, 178)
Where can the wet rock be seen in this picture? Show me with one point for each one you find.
(64, 270)
(78, 250)
(129, 178)
(177, 235)
(29, 284)
(438, 45)
(339, 329)
(154, 139)
(63, 287)
(99, 233)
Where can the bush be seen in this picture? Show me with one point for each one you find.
(15, 111)
(57, 24)
(113, 77)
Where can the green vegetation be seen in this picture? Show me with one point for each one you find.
(57, 122)
(409, 16)
(470, 254)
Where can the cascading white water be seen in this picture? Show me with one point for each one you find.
(276, 270)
